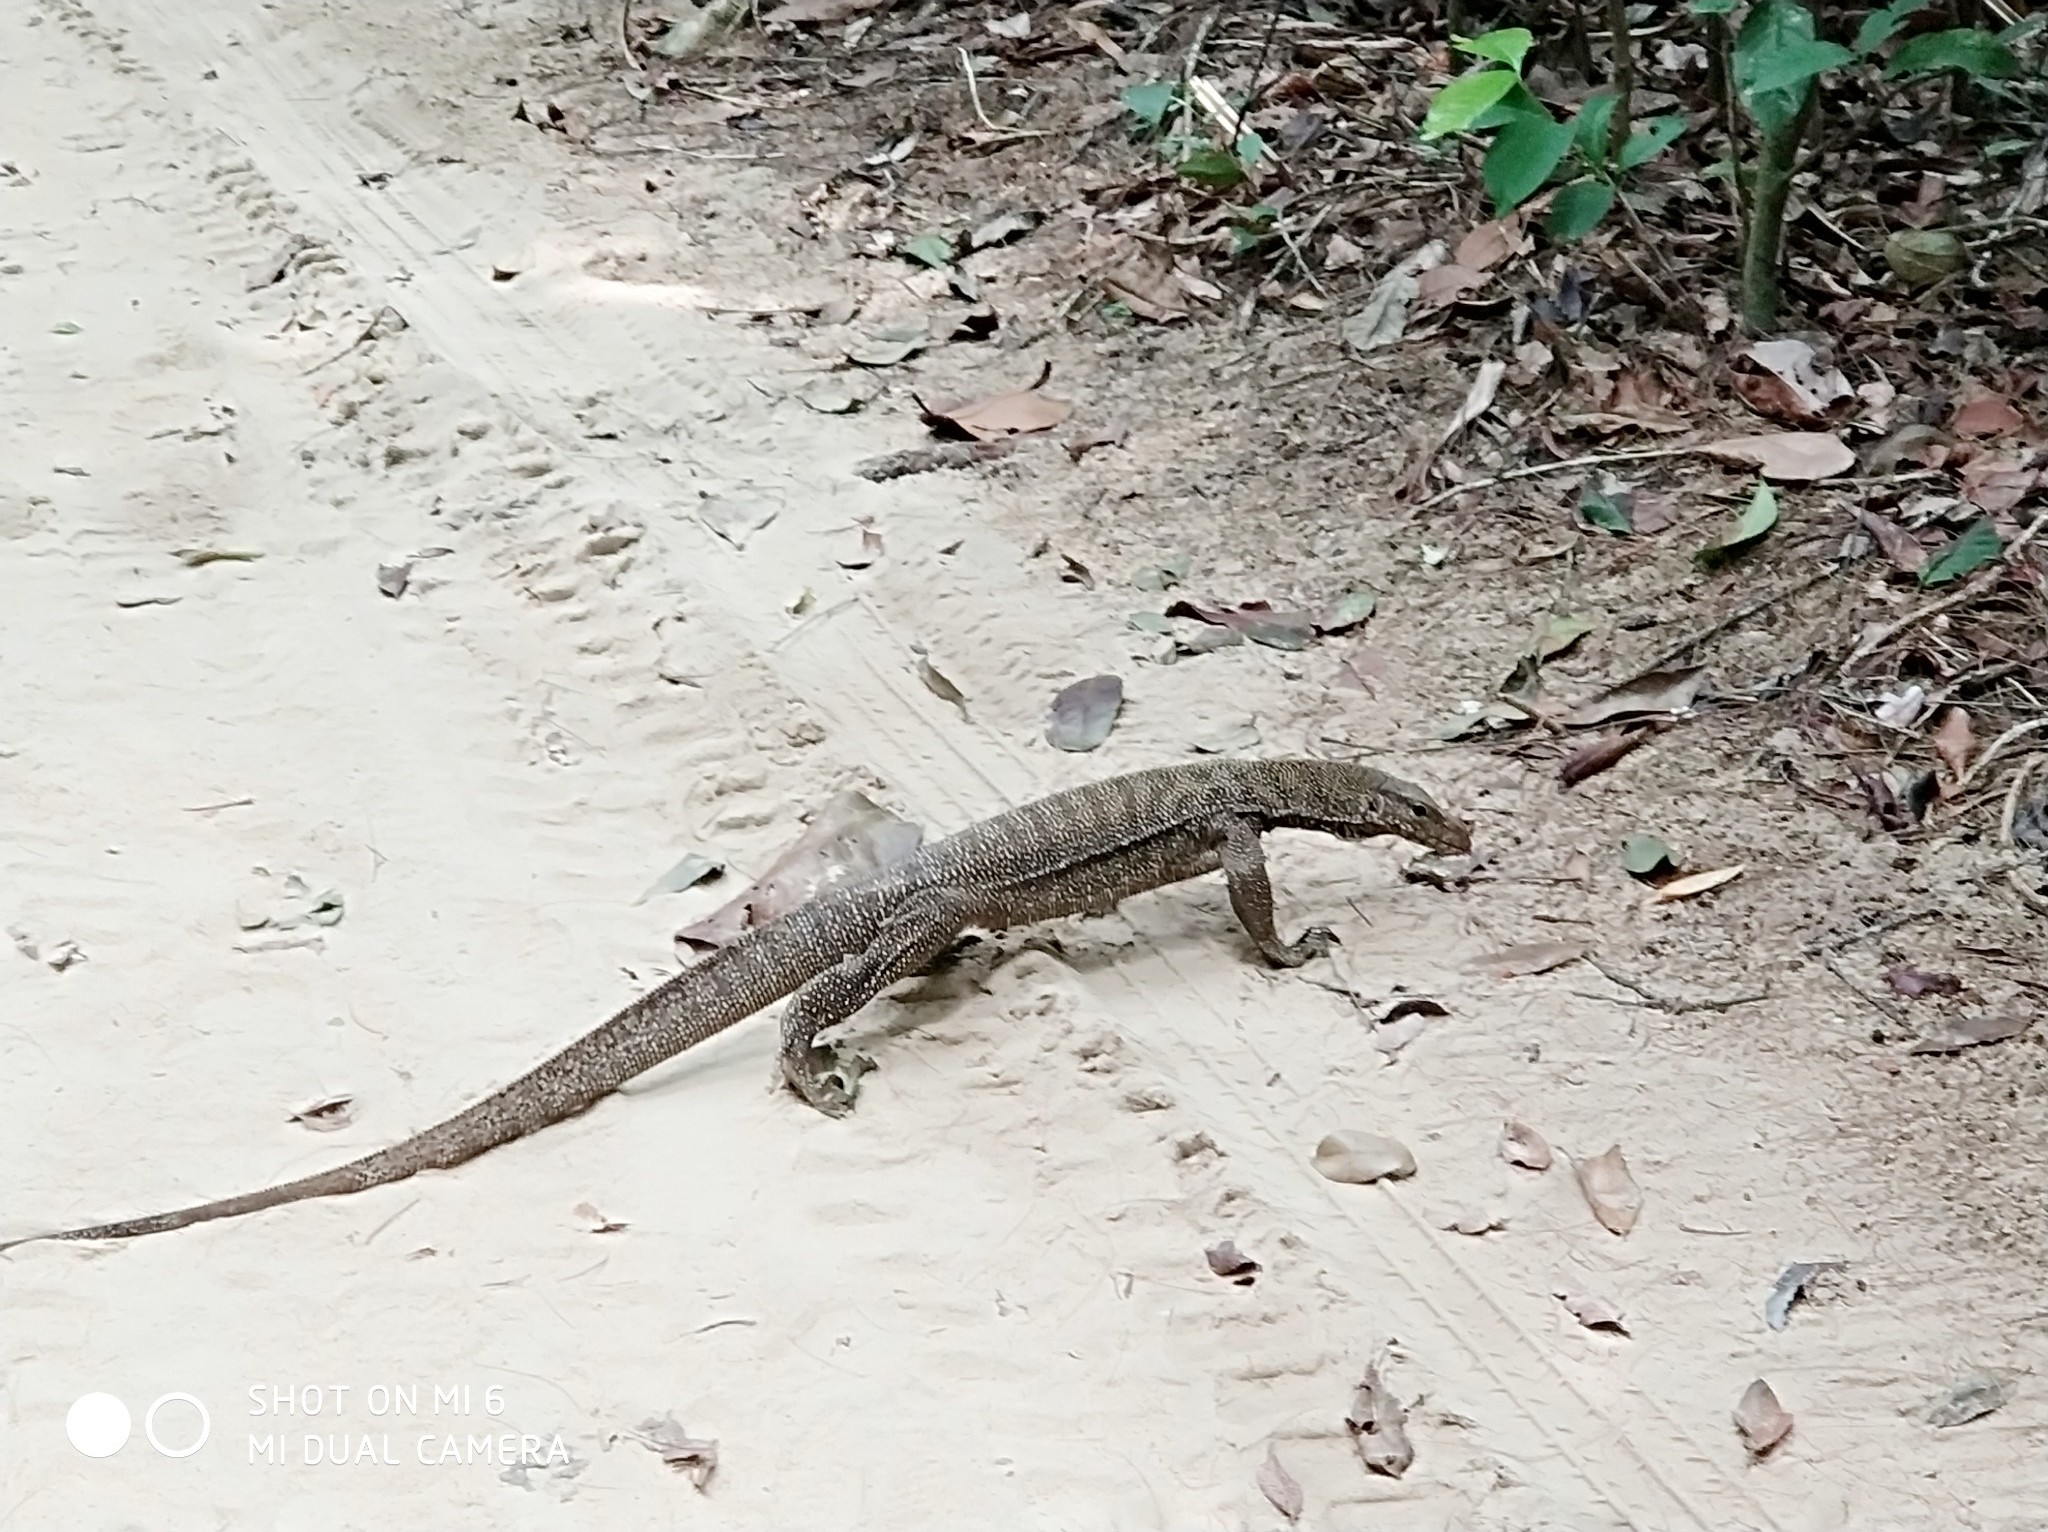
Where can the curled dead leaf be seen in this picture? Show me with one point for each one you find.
(1522, 1145)
(1692, 884)
(1591, 1310)
(1279, 1486)
(1787, 456)
(1762, 1421)
(1231, 1263)
(997, 416)
(1610, 1190)
(1361, 1158)
(1379, 1426)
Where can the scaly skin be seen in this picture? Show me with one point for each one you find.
(1080, 852)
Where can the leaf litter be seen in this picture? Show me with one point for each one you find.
(1379, 1427)
(1610, 1190)
(1760, 1419)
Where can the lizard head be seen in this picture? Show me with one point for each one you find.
(1358, 801)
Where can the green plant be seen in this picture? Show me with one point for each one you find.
(1531, 147)
(1194, 158)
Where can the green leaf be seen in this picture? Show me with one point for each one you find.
(1602, 510)
(1650, 139)
(1250, 148)
(1516, 103)
(1522, 158)
(1151, 102)
(1509, 46)
(1776, 36)
(1976, 53)
(1711, 7)
(1217, 169)
(1788, 65)
(1592, 126)
(1458, 105)
(1645, 856)
(1575, 212)
(1757, 518)
(1879, 27)
(67, 327)
(1977, 546)
(934, 249)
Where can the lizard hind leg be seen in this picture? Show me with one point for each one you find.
(1251, 896)
(922, 928)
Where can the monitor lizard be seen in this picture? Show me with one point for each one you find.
(1079, 852)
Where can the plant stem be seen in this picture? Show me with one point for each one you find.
(1763, 236)
(1621, 49)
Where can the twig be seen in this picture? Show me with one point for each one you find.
(2011, 815)
(1983, 762)
(626, 38)
(1259, 68)
(974, 92)
(1978, 583)
(1590, 460)
(1884, 1008)
(1865, 933)
(1676, 1005)
(1677, 651)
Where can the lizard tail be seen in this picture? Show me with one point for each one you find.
(697, 1003)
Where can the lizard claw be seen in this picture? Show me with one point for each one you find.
(827, 1078)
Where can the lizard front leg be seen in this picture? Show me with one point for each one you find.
(924, 926)
(1251, 896)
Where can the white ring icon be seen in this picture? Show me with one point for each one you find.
(149, 1425)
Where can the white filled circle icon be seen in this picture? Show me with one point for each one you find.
(98, 1425)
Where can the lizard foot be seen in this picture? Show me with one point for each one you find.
(1315, 942)
(828, 1078)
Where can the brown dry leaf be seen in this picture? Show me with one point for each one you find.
(1916, 983)
(1987, 414)
(1379, 1426)
(1925, 445)
(1976, 1031)
(1897, 543)
(1762, 1421)
(1787, 456)
(1692, 884)
(1597, 755)
(1441, 286)
(1786, 380)
(1478, 398)
(326, 1116)
(1953, 741)
(850, 838)
(1146, 284)
(1667, 692)
(1522, 1145)
(1997, 482)
(1529, 958)
(1017, 413)
(1611, 1192)
(1279, 1486)
(1591, 1310)
(1081, 443)
(1492, 242)
(687, 1454)
(1231, 1263)
(1256, 620)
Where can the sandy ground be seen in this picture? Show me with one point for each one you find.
(985, 1294)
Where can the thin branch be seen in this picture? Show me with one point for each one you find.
(1590, 460)
(1978, 584)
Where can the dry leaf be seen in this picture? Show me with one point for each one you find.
(1529, 958)
(1596, 755)
(1976, 1031)
(1522, 1145)
(1017, 413)
(676, 1447)
(1360, 1158)
(850, 838)
(1915, 983)
(1441, 286)
(599, 1224)
(1594, 1312)
(1611, 1192)
(1791, 1284)
(1665, 692)
(1996, 482)
(1478, 398)
(861, 551)
(1762, 1421)
(1147, 286)
(1988, 415)
(1787, 456)
(1477, 1221)
(1257, 621)
(1278, 1486)
(327, 1116)
(1898, 545)
(940, 685)
(1788, 382)
(1379, 1426)
(1492, 242)
(1229, 1262)
(1970, 1399)
(1954, 742)
(1384, 319)
(1693, 884)
(1083, 713)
